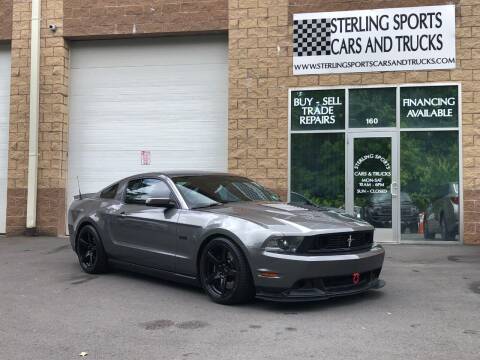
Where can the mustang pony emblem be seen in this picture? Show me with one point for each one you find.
(349, 241)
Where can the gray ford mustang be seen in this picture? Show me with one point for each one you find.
(226, 233)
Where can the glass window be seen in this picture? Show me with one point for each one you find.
(110, 192)
(208, 190)
(318, 169)
(318, 109)
(372, 107)
(429, 179)
(429, 106)
(138, 191)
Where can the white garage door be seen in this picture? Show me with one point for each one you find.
(4, 114)
(164, 97)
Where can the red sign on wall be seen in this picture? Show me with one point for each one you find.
(145, 157)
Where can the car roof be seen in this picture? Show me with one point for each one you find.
(178, 173)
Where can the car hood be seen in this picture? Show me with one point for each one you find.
(389, 204)
(288, 218)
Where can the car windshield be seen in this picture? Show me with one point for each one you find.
(210, 190)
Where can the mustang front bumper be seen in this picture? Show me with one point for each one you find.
(304, 278)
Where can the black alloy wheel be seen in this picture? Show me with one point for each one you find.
(224, 273)
(91, 254)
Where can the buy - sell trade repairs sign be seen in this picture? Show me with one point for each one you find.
(399, 39)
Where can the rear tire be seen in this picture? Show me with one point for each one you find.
(224, 273)
(426, 233)
(413, 228)
(90, 251)
(446, 234)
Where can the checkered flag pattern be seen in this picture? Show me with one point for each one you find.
(311, 37)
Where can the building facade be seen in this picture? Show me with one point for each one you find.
(134, 86)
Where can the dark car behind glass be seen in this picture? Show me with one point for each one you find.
(378, 211)
(441, 215)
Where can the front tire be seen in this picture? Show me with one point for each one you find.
(224, 273)
(90, 251)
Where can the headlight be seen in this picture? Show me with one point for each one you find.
(283, 244)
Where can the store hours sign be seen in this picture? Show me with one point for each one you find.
(398, 39)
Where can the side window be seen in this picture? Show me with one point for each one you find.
(110, 192)
(138, 191)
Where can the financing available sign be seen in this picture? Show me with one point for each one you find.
(398, 39)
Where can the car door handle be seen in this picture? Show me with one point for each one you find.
(123, 213)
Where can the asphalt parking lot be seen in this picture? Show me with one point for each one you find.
(50, 309)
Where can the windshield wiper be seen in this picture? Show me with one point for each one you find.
(206, 206)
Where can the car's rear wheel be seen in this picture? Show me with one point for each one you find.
(225, 274)
(413, 228)
(427, 234)
(90, 252)
(446, 234)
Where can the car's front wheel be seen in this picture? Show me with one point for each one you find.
(90, 252)
(224, 273)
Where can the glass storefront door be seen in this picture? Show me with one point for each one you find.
(372, 181)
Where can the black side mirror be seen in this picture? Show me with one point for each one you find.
(161, 202)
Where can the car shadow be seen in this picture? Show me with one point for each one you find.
(318, 305)
(155, 280)
(259, 304)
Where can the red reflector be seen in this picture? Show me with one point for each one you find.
(356, 278)
(454, 199)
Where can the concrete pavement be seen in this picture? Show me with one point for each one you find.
(50, 309)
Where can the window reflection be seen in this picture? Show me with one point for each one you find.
(429, 174)
(318, 169)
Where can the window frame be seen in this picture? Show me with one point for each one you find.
(116, 185)
(173, 195)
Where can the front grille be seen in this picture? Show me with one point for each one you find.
(338, 283)
(340, 242)
(385, 210)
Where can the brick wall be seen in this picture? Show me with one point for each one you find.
(260, 36)
(53, 134)
(260, 64)
(109, 18)
(6, 19)
(18, 130)
(301, 6)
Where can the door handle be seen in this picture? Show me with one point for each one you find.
(123, 213)
(393, 186)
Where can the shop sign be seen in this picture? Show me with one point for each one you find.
(318, 109)
(432, 106)
(396, 39)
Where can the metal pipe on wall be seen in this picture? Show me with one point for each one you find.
(34, 116)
